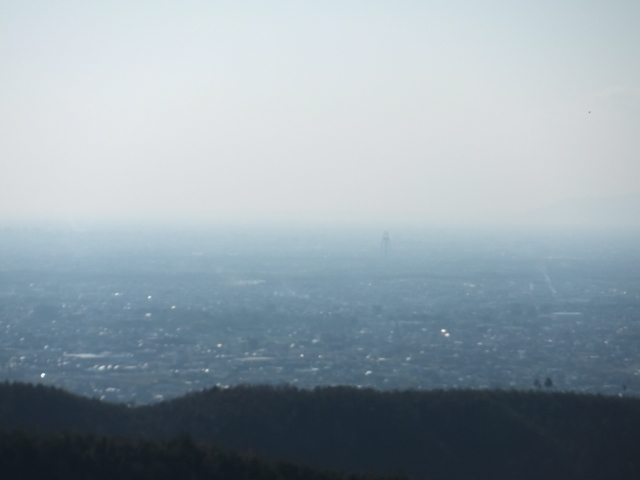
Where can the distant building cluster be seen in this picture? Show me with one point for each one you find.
(142, 329)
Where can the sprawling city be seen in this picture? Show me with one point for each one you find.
(144, 318)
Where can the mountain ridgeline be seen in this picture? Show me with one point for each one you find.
(439, 434)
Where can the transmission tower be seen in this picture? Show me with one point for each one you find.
(386, 243)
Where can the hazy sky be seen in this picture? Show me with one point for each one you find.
(387, 110)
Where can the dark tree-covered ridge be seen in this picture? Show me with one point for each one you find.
(462, 434)
(73, 456)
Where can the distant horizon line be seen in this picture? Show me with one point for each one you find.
(605, 210)
(113, 223)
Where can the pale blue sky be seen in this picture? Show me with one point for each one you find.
(408, 110)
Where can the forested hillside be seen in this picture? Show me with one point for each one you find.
(471, 434)
(68, 457)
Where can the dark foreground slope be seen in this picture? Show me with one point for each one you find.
(433, 434)
(68, 457)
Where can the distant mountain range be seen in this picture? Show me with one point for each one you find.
(618, 210)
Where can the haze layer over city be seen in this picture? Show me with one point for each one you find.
(394, 195)
(143, 316)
